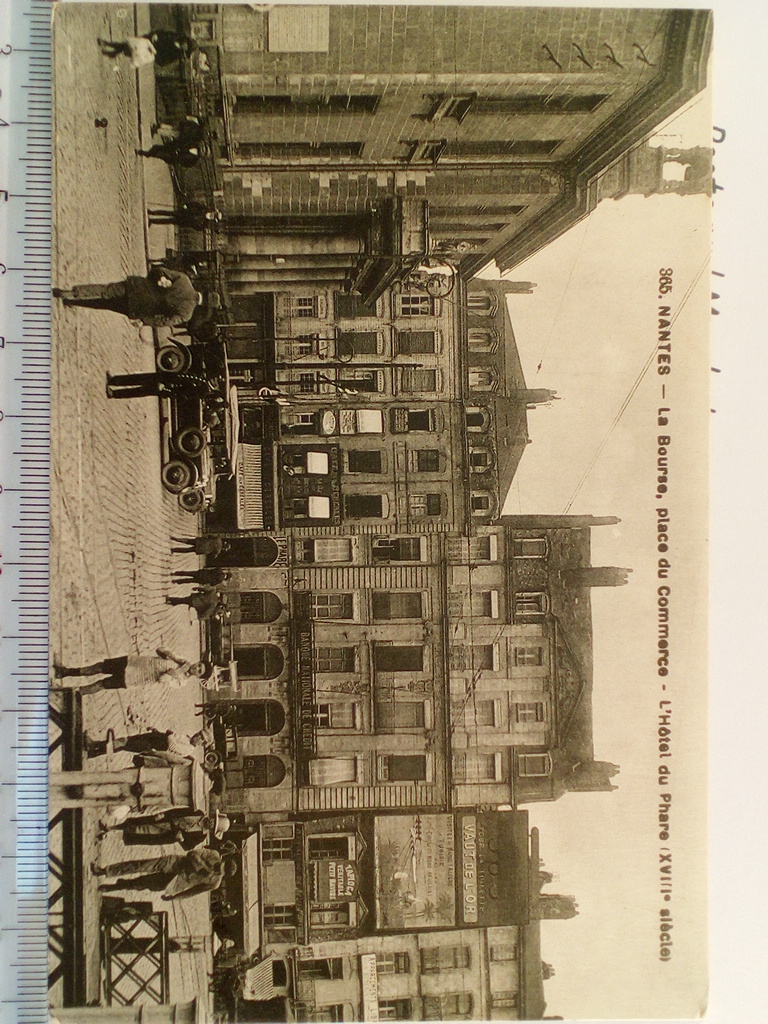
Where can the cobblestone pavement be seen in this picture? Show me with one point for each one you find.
(111, 518)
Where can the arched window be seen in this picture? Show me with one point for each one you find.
(482, 339)
(265, 551)
(263, 771)
(262, 661)
(477, 418)
(481, 503)
(260, 606)
(483, 303)
(482, 380)
(480, 459)
(257, 717)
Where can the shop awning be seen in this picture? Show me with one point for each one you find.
(251, 902)
(258, 982)
(250, 502)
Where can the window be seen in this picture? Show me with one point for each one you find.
(316, 506)
(276, 914)
(362, 381)
(482, 656)
(300, 422)
(357, 343)
(477, 419)
(336, 715)
(530, 547)
(393, 714)
(395, 1009)
(480, 503)
(351, 306)
(425, 504)
(484, 549)
(328, 968)
(395, 658)
(537, 104)
(426, 149)
(415, 305)
(485, 604)
(456, 107)
(412, 342)
(502, 147)
(445, 958)
(479, 460)
(482, 380)
(475, 767)
(305, 306)
(328, 848)
(399, 604)
(531, 712)
(428, 461)
(332, 771)
(481, 302)
(504, 1000)
(364, 506)
(529, 656)
(402, 420)
(481, 340)
(451, 1006)
(504, 952)
(483, 713)
(332, 606)
(332, 1012)
(364, 461)
(263, 771)
(277, 849)
(393, 963)
(334, 659)
(292, 150)
(402, 768)
(330, 917)
(531, 604)
(341, 104)
(414, 381)
(257, 717)
(533, 765)
(259, 606)
(328, 549)
(397, 549)
(263, 661)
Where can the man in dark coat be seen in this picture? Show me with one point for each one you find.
(193, 215)
(201, 545)
(161, 299)
(210, 576)
(159, 382)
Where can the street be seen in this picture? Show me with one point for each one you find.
(111, 518)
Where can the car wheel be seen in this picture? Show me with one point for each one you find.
(178, 475)
(174, 359)
(192, 499)
(190, 441)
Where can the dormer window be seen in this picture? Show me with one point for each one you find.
(456, 107)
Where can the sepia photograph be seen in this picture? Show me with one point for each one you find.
(379, 568)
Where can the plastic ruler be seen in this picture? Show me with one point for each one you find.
(25, 352)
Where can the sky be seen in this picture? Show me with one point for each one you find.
(589, 331)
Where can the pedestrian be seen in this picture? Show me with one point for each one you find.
(159, 382)
(161, 299)
(210, 576)
(170, 46)
(193, 215)
(208, 603)
(172, 826)
(181, 154)
(161, 47)
(153, 739)
(180, 875)
(189, 132)
(201, 545)
(132, 670)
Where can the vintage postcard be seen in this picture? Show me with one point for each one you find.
(380, 511)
